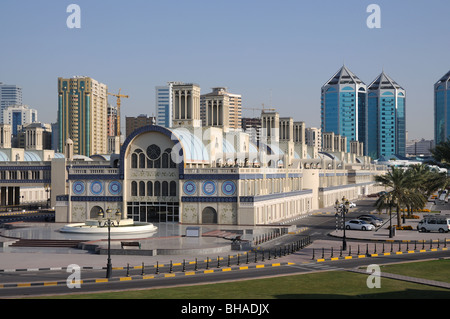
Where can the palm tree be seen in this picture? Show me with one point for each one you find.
(402, 190)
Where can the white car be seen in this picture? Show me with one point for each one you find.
(352, 205)
(359, 225)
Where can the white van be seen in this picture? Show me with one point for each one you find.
(440, 223)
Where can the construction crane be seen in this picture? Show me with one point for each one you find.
(119, 97)
(259, 109)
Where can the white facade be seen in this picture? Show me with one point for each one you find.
(19, 115)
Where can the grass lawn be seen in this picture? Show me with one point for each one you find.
(322, 285)
(434, 270)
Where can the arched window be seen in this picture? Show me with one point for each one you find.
(157, 163)
(157, 191)
(173, 188)
(134, 160)
(165, 189)
(133, 188)
(142, 160)
(141, 188)
(165, 160)
(149, 188)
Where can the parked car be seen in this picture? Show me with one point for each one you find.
(440, 223)
(371, 216)
(359, 225)
(352, 205)
(371, 220)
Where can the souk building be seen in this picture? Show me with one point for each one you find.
(212, 174)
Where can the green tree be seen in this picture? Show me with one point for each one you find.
(402, 190)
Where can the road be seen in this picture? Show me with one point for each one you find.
(246, 267)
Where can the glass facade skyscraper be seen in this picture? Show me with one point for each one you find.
(344, 106)
(374, 115)
(386, 118)
(10, 95)
(441, 109)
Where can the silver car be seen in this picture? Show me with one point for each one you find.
(359, 225)
(370, 220)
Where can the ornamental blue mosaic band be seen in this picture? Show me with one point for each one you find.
(209, 188)
(96, 188)
(78, 188)
(189, 188)
(115, 188)
(228, 188)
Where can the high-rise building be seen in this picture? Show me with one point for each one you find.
(112, 121)
(82, 115)
(133, 123)
(344, 106)
(252, 126)
(18, 115)
(9, 95)
(221, 108)
(386, 118)
(442, 109)
(164, 104)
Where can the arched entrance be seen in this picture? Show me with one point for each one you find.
(209, 216)
(94, 212)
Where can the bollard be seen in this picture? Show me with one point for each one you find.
(313, 256)
(263, 253)
(367, 250)
(247, 259)
(375, 249)
(349, 250)
(170, 267)
(383, 248)
(269, 255)
(238, 263)
(196, 265)
(392, 246)
(128, 270)
(256, 256)
(331, 252)
(184, 265)
(228, 263)
(358, 250)
(157, 268)
(207, 262)
(218, 262)
(143, 271)
(323, 253)
(431, 244)
(415, 244)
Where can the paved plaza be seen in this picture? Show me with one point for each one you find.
(173, 245)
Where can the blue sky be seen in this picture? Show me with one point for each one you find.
(278, 53)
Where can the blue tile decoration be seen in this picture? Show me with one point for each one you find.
(228, 188)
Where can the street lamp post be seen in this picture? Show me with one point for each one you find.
(108, 222)
(342, 208)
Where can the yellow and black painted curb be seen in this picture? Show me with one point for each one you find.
(145, 276)
(383, 254)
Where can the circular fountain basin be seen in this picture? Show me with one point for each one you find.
(126, 227)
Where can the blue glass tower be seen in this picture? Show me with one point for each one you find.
(386, 118)
(441, 109)
(344, 107)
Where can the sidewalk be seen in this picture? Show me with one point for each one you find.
(358, 243)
